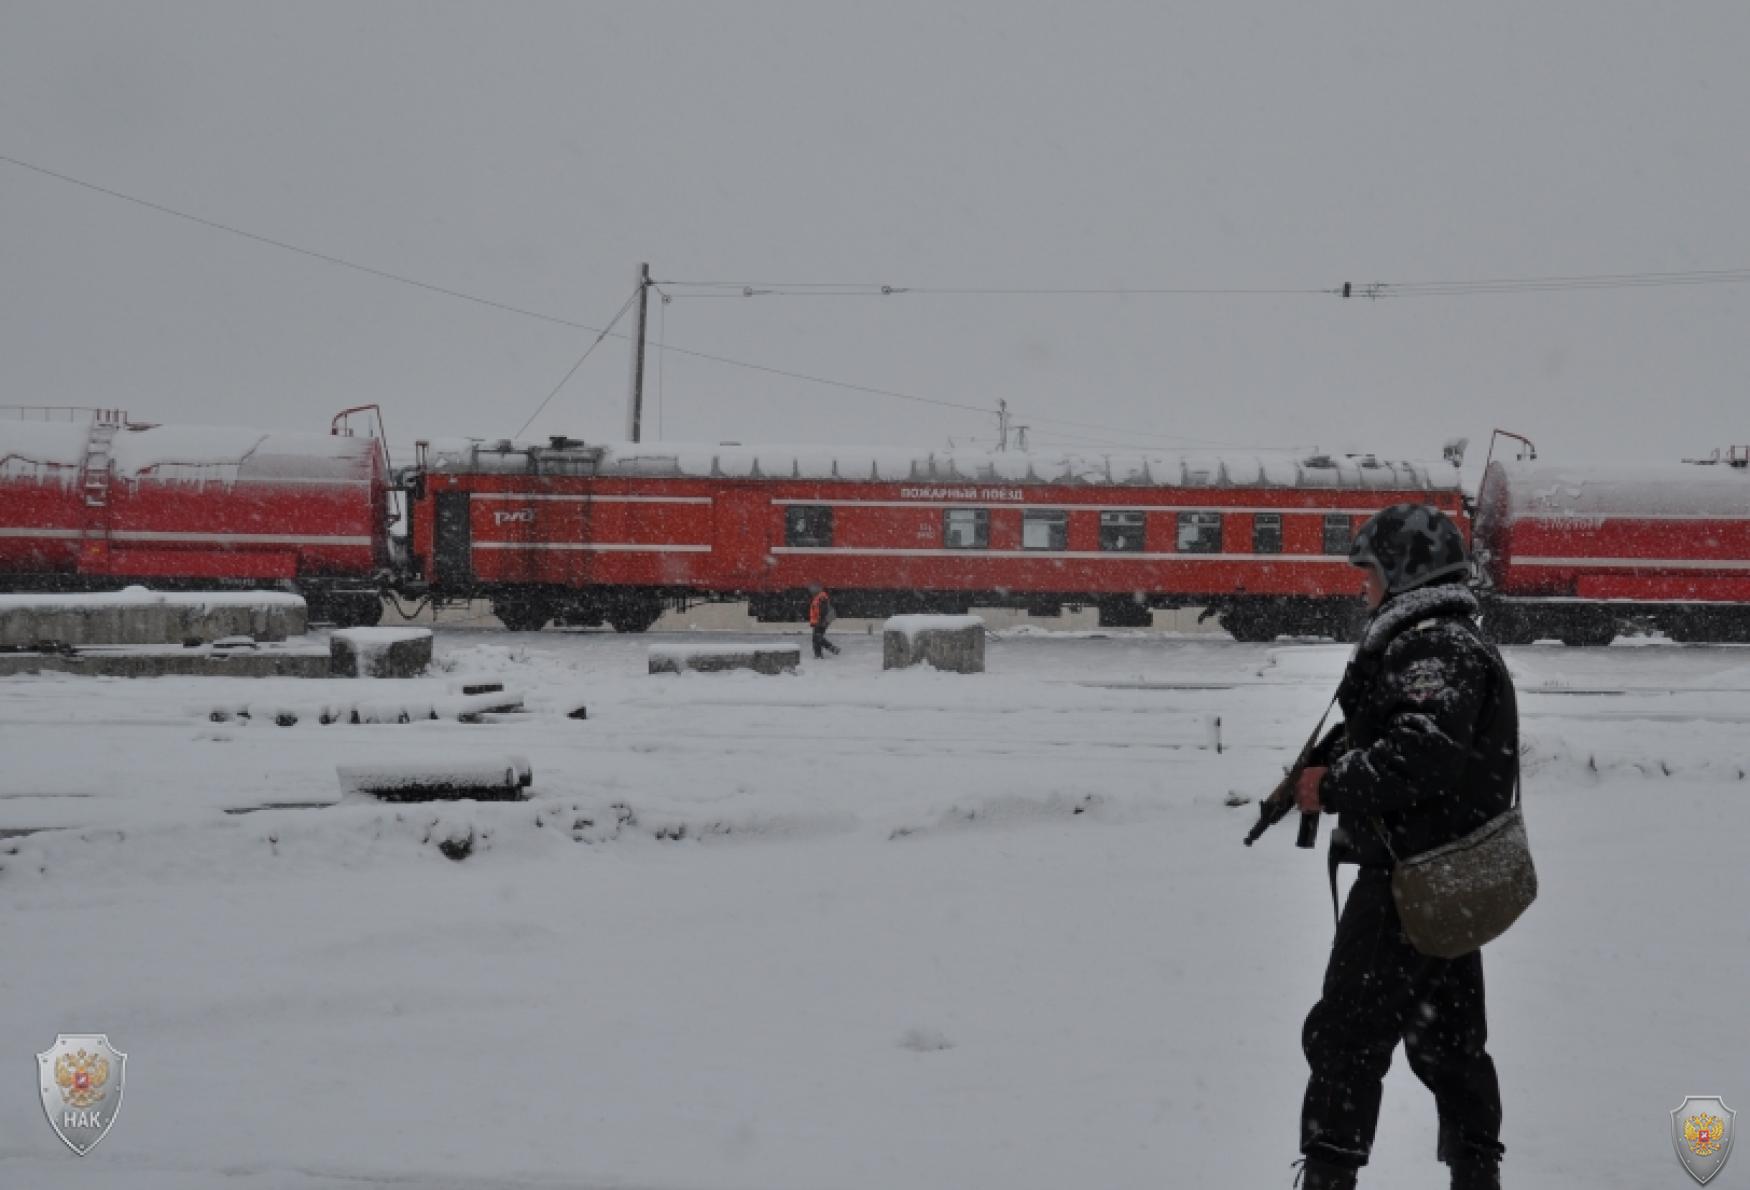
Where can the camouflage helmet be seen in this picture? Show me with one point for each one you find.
(1412, 544)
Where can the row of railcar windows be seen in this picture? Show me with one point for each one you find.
(809, 526)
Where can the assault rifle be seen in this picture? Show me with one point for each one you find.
(1275, 808)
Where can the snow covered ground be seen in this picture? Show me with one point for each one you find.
(843, 928)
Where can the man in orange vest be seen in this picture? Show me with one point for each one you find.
(820, 614)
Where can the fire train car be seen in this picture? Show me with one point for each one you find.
(1577, 553)
(584, 533)
(90, 500)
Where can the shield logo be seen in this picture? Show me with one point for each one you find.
(1702, 1129)
(81, 1079)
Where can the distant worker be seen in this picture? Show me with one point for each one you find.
(821, 614)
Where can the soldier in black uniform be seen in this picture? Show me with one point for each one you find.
(1428, 753)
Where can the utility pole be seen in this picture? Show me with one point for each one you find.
(635, 411)
(1002, 425)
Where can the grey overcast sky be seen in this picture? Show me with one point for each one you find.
(534, 153)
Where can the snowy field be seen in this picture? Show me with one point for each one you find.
(834, 929)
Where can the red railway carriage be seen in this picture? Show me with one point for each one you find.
(584, 533)
(1571, 552)
(90, 500)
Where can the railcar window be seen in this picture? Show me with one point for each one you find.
(1200, 533)
(1338, 533)
(808, 525)
(966, 528)
(1122, 532)
(1044, 529)
(1267, 533)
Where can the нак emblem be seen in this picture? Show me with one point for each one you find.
(81, 1078)
(1701, 1128)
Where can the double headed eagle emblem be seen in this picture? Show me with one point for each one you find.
(82, 1078)
(1703, 1134)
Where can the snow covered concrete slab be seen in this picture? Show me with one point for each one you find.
(717, 658)
(290, 659)
(953, 643)
(498, 778)
(137, 616)
(380, 652)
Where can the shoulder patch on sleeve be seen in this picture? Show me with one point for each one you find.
(1423, 680)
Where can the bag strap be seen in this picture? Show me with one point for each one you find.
(1331, 865)
(1312, 743)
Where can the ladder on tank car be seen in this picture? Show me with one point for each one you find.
(94, 476)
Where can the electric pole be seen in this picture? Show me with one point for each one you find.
(635, 410)
(1002, 425)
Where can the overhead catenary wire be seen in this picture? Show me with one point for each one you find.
(326, 258)
(1557, 283)
(506, 307)
(1378, 290)
(1373, 289)
(876, 289)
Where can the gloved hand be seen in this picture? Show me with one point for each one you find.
(1306, 790)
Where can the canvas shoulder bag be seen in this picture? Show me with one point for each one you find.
(1460, 896)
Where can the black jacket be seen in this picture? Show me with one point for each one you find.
(1430, 748)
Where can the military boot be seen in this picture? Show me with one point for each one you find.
(1322, 1175)
(1476, 1173)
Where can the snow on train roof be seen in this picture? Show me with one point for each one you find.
(1546, 490)
(54, 452)
(50, 451)
(226, 454)
(901, 465)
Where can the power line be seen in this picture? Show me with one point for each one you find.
(506, 307)
(844, 384)
(1373, 289)
(749, 289)
(1548, 284)
(313, 254)
(1376, 290)
(586, 354)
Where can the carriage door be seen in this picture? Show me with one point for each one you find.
(452, 544)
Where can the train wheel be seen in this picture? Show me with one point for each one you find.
(1504, 626)
(1126, 613)
(357, 610)
(635, 615)
(1251, 627)
(1583, 631)
(522, 613)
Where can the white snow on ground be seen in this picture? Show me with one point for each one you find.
(842, 929)
(685, 652)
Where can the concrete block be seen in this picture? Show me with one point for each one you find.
(271, 661)
(953, 643)
(380, 652)
(764, 659)
(498, 779)
(137, 616)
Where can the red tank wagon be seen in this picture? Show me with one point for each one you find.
(1573, 552)
(584, 533)
(90, 500)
